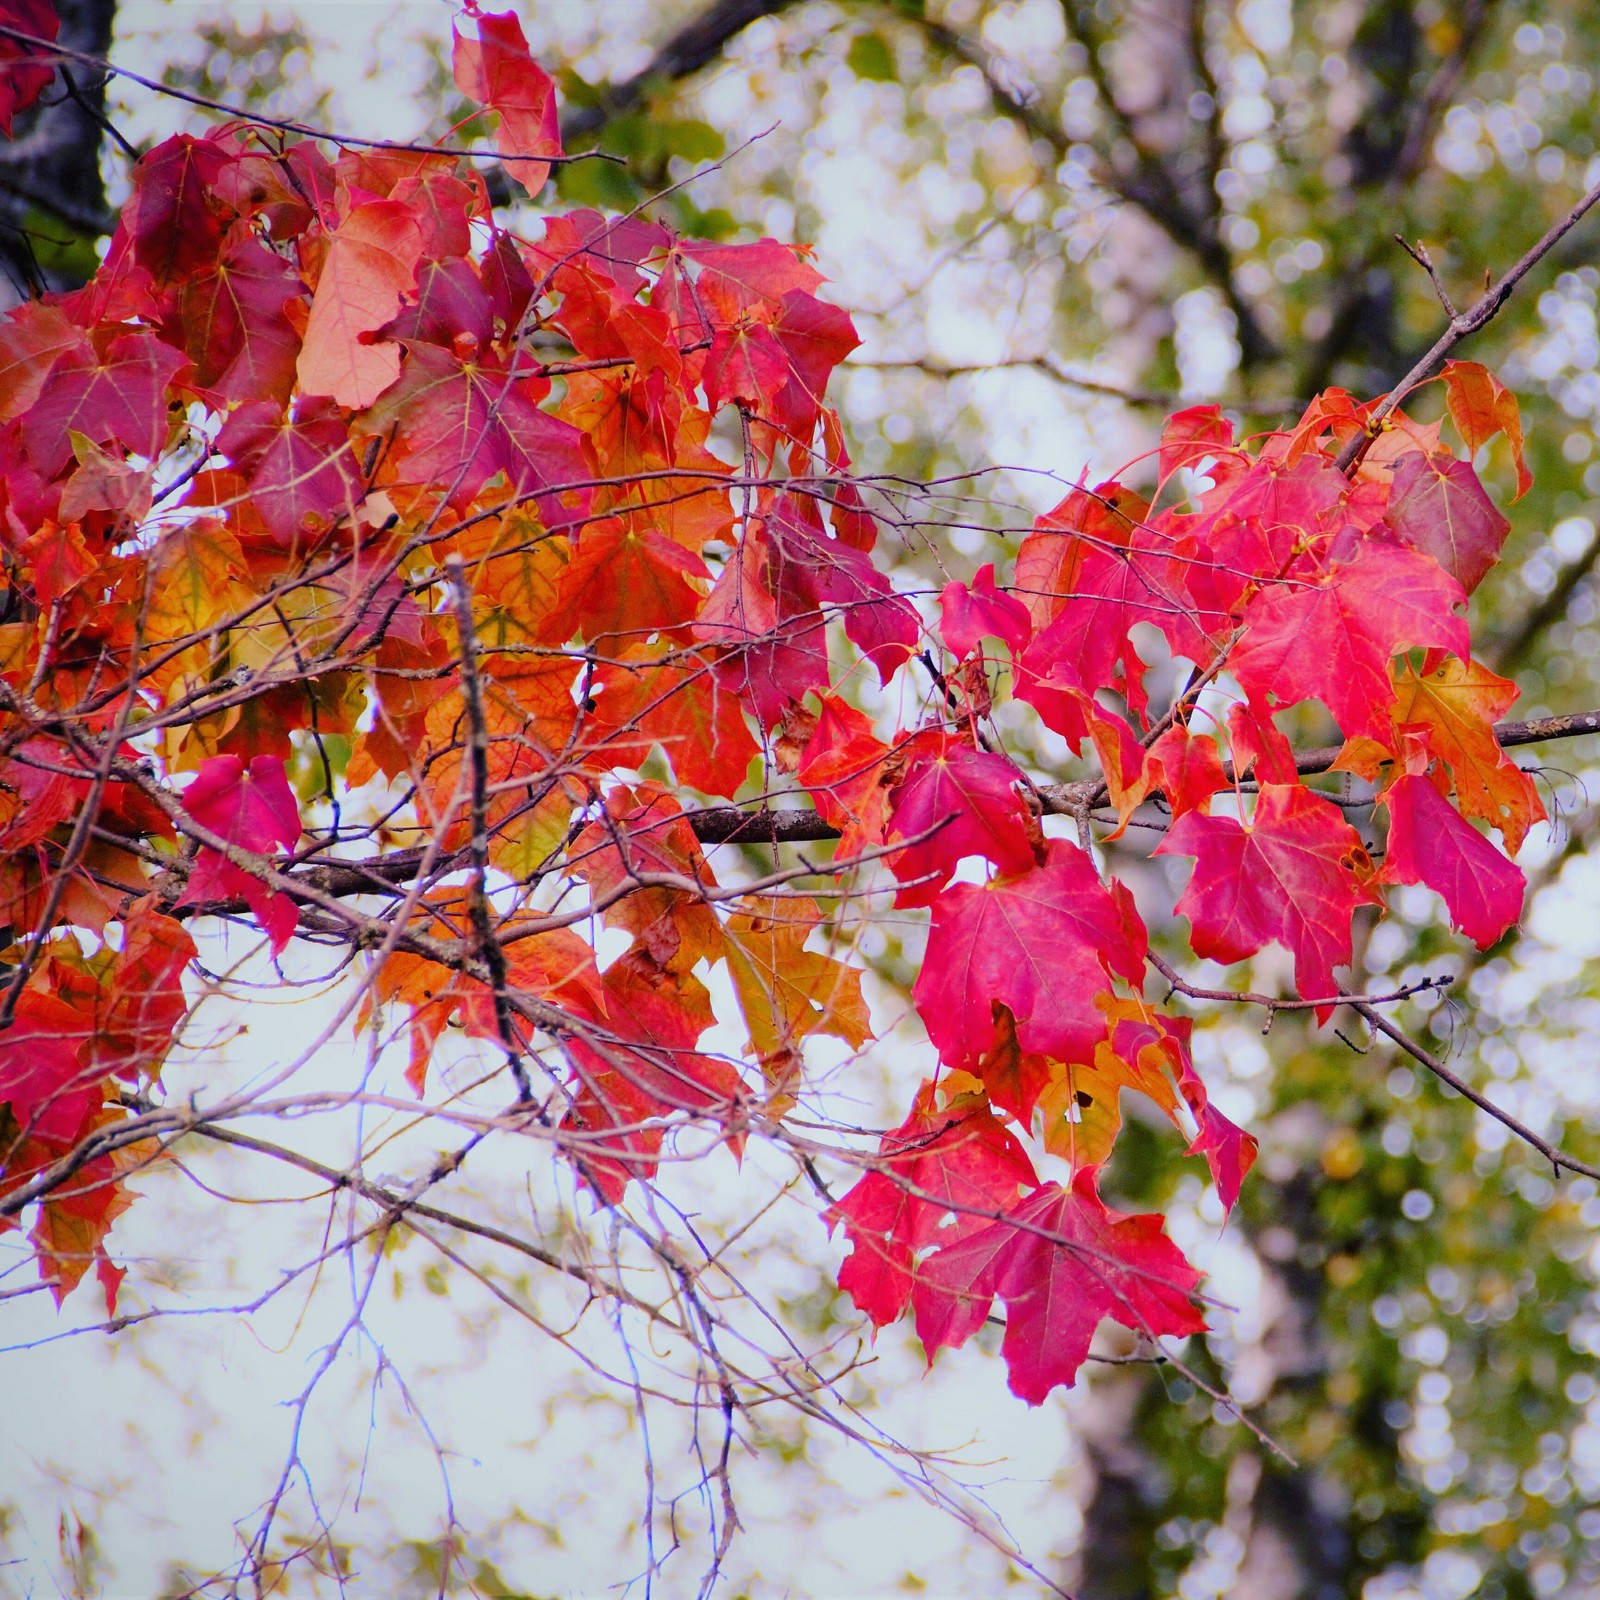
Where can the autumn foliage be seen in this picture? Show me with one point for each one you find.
(333, 494)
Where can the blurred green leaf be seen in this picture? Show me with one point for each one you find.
(694, 141)
(871, 58)
(60, 251)
(602, 184)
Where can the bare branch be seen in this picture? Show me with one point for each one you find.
(1558, 1159)
(732, 824)
(488, 945)
(690, 48)
(1149, 186)
(1419, 253)
(1463, 325)
(51, 50)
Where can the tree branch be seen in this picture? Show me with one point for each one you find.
(1508, 654)
(53, 169)
(1462, 326)
(393, 1203)
(731, 824)
(1367, 1006)
(1558, 1159)
(60, 52)
(695, 45)
(1575, 725)
(1352, 301)
(488, 946)
(1150, 186)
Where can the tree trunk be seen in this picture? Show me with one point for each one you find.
(52, 195)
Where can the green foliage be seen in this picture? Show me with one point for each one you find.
(872, 58)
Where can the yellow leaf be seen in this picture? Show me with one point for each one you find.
(785, 990)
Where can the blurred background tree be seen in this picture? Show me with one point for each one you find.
(1053, 222)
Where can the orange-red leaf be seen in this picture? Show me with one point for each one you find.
(935, 1177)
(1459, 702)
(496, 70)
(372, 262)
(1481, 406)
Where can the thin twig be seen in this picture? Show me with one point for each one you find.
(1419, 253)
(50, 50)
(1557, 1158)
(1461, 326)
(488, 946)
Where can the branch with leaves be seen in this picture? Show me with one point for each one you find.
(334, 613)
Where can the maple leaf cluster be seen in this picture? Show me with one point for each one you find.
(327, 453)
(1300, 583)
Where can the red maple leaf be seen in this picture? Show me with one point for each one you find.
(774, 345)
(120, 396)
(1259, 747)
(458, 422)
(883, 626)
(1187, 767)
(22, 78)
(593, 261)
(144, 991)
(1043, 942)
(637, 1066)
(645, 832)
(678, 702)
(42, 1072)
(1061, 1261)
(33, 338)
(1158, 1049)
(845, 768)
(302, 473)
(967, 615)
(934, 1172)
(176, 217)
(765, 612)
(624, 583)
(1335, 410)
(1333, 641)
(807, 568)
(232, 319)
(1251, 529)
(1286, 877)
(1230, 1152)
(814, 338)
(451, 308)
(1190, 436)
(1437, 505)
(1013, 1078)
(1458, 703)
(735, 278)
(1087, 644)
(497, 70)
(966, 802)
(1431, 842)
(255, 811)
